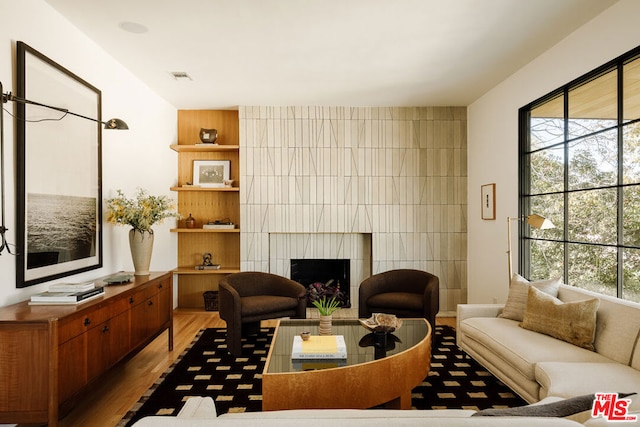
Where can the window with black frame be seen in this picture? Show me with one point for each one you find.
(580, 168)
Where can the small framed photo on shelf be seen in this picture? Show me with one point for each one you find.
(488, 192)
(211, 173)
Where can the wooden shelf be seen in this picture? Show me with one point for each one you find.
(203, 230)
(192, 270)
(213, 189)
(202, 148)
(206, 204)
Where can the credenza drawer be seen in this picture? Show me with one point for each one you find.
(78, 324)
(143, 295)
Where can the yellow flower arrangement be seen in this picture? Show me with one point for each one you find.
(140, 212)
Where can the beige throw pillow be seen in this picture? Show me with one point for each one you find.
(573, 322)
(518, 291)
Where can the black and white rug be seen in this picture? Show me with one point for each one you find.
(456, 381)
(205, 368)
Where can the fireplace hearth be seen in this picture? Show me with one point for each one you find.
(323, 278)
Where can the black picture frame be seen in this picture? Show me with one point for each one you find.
(59, 172)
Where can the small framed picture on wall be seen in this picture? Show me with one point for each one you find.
(488, 193)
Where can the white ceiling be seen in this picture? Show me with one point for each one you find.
(327, 52)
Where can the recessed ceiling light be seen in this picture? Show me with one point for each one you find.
(181, 75)
(133, 27)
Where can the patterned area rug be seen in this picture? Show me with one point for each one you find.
(456, 381)
(206, 369)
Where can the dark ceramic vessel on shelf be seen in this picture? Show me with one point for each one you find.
(208, 136)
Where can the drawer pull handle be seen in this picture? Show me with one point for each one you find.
(160, 286)
(149, 302)
(130, 300)
(87, 321)
(105, 328)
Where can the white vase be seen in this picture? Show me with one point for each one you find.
(325, 325)
(141, 244)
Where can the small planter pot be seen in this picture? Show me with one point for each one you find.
(325, 325)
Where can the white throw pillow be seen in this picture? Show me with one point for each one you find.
(518, 293)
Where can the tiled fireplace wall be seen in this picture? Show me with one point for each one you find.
(396, 174)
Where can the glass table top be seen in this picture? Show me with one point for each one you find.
(359, 341)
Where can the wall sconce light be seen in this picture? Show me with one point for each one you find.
(534, 220)
(109, 124)
(7, 97)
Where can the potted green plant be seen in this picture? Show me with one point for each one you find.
(326, 308)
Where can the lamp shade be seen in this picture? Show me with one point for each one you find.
(540, 222)
(534, 220)
(115, 124)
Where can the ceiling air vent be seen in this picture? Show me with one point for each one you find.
(181, 75)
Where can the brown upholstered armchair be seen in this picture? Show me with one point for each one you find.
(247, 298)
(405, 293)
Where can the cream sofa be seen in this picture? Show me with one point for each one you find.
(200, 412)
(536, 365)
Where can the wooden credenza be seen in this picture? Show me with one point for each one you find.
(49, 354)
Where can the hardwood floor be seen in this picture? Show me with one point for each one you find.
(115, 393)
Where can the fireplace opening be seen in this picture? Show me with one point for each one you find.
(323, 278)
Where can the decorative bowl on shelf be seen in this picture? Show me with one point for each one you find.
(382, 322)
(208, 136)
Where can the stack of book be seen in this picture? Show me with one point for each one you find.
(71, 287)
(319, 347)
(208, 267)
(67, 293)
(218, 225)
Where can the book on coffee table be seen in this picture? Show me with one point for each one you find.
(319, 347)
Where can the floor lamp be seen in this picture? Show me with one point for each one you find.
(534, 220)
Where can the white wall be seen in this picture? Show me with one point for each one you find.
(493, 136)
(139, 157)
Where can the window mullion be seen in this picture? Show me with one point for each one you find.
(566, 187)
(620, 222)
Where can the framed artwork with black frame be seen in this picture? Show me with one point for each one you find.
(59, 172)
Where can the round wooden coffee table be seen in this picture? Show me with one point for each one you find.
(359, 382)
